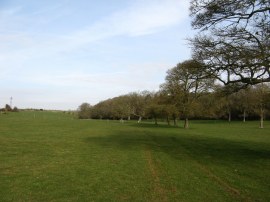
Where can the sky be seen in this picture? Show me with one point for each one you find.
(59, 54)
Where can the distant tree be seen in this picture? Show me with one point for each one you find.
(153, 110)
(15, 109)
(243, 102)
(102, 110)
(234, 39)
(185, 83)
(139, 103)
(84, 111)
(262, 101)
(168, 108)
(226, 97)
(208, 106)
(123, 107)
(8, 108)
(120, 108)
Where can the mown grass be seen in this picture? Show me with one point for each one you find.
(46, 156)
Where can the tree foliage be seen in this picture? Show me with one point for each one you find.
(84, 111)
(218, 103)
(8, 108)
(15, 109)
(185, 83)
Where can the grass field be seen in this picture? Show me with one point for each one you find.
(46, 156)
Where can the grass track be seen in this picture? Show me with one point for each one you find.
(47, 156)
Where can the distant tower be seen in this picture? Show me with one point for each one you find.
(11, 101)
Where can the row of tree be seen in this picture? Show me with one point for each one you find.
(172, 104)
(8, 108)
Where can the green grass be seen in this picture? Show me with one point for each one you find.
(46, 156)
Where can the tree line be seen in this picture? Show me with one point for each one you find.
(184, 99)
(8, 108)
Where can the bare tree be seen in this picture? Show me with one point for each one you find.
(261, 101)
(234, 42)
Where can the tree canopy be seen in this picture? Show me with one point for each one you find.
(234, 42)
(184, 83)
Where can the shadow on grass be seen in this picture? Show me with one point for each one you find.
(153, 125)
(198, 147)
(180, 124)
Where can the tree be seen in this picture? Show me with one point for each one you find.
(262, 100)
(168, 108)
(139, 103)
(84, 111)
(15, 109)
(235, 39)
(120, 108)
(227, 100)
(208, 106)
(154, 111)
(184, 83)
(243, 101)
(8, 108)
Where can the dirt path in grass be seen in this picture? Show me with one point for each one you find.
(158, 192)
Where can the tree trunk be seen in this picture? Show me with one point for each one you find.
(174, 121)
(244, 116)
(261, 116)
(121, 120)
(140, 119)
(229, 116)
(186, 123)
(155, 120)
(128, 118)
(168, 121)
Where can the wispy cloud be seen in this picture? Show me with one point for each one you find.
(29, 43)
(77, 87)
(141, 18)
(135, 76)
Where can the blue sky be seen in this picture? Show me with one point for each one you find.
(59, 54)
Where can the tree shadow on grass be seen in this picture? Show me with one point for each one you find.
(209, 148)
(180, 124)
(153, 125)
(221, 160)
